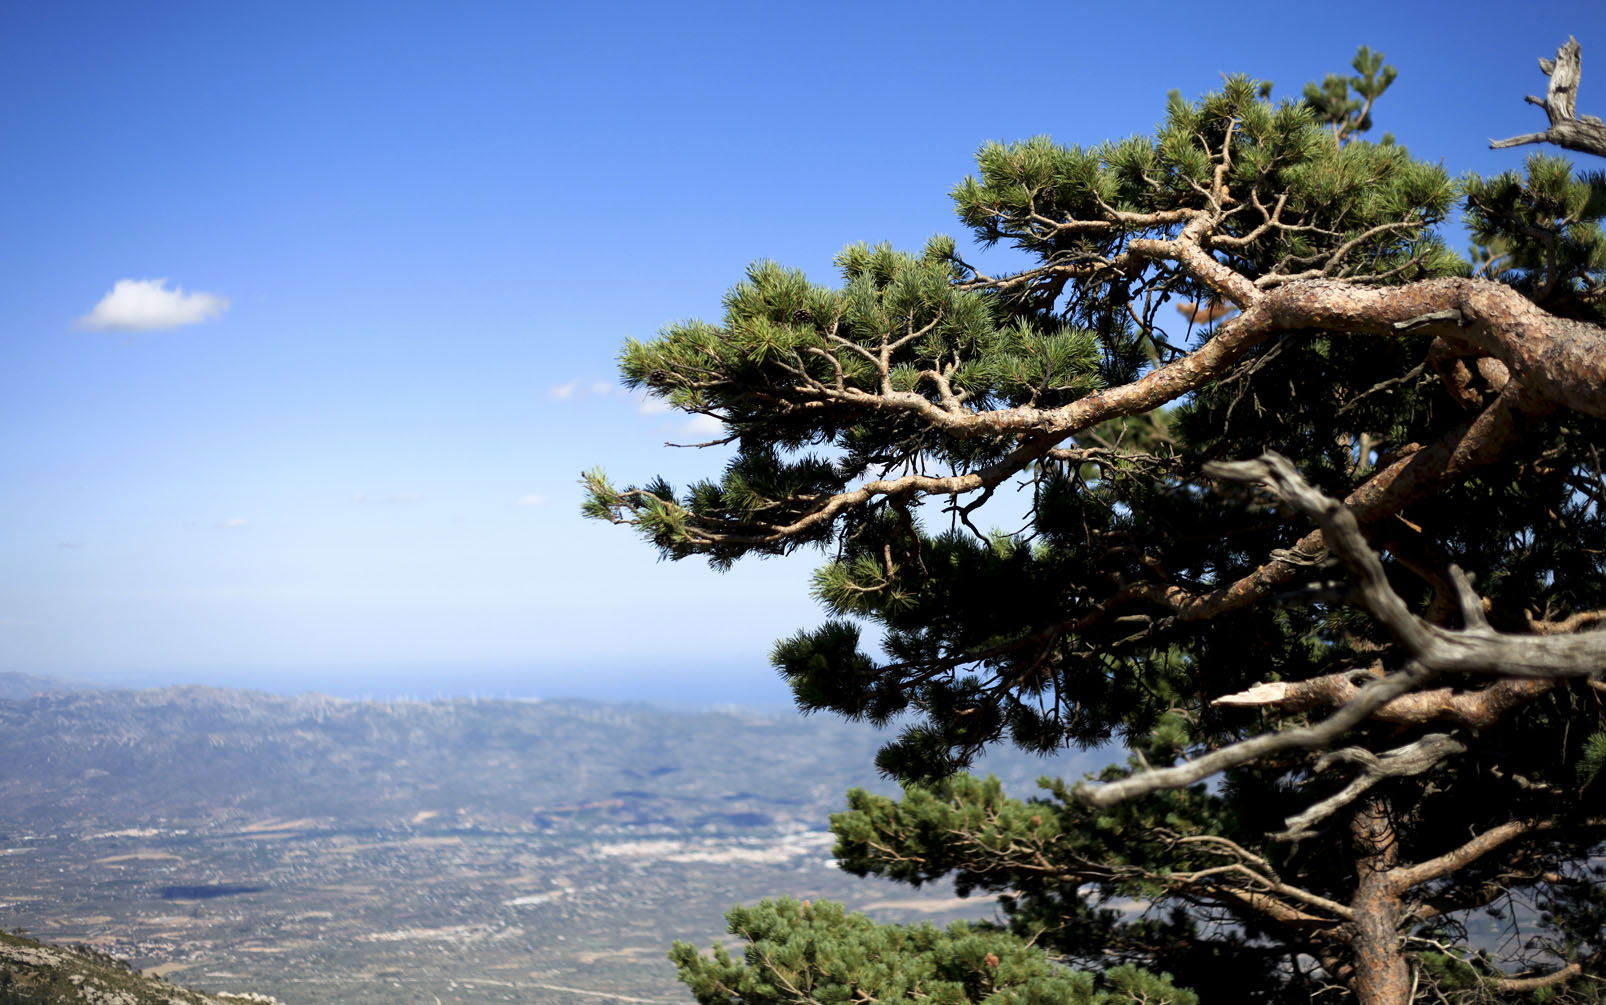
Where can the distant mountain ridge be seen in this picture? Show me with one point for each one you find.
(70, 757)
(22, 685)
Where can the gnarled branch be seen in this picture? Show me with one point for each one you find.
(1476, 649)
(1372, 696)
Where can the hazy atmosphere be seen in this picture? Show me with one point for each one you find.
(312, 310)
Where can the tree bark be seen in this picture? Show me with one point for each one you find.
(1381, 975)
(1475, 709)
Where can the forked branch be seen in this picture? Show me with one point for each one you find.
(1475, 649)
(1372, 697)
(1411, 759)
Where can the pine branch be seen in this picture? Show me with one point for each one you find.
(1372, 697)
(1414, 475)
(1476, 649)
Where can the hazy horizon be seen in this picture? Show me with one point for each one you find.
(677, 687)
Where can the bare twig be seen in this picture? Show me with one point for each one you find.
(1411, 759)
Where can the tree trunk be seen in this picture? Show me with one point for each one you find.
(1381, 975)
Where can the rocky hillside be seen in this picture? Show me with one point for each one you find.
(32, 973)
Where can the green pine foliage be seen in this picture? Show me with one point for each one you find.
(1066, 875)
(1562, 256)
(1345, 103)
(1593, 759)
(818, 954)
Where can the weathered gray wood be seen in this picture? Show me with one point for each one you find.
(1474, 650)
(1411, 759)
(1584, 133)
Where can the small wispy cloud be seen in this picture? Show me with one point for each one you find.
(703, 425)
(234, 523)
(648, 405)
(142, 305)
(533, 499)
(577, 389)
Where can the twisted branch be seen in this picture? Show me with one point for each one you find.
(1475, 649)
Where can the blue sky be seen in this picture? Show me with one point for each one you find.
(433, 224)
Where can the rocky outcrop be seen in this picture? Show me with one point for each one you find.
(32, 973)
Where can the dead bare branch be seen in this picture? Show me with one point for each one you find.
(1476, 649)
(1411, 759)
(1371, 697)
(1568, 129)
(1475, 709)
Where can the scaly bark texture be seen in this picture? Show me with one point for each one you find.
(1382, 976)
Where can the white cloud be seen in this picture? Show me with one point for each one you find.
(576, 389)
(235, 523)
(646, 404)
(703, 425)
(142, 305)
(533, 499)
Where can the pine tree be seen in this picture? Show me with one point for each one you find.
(1327, 555)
